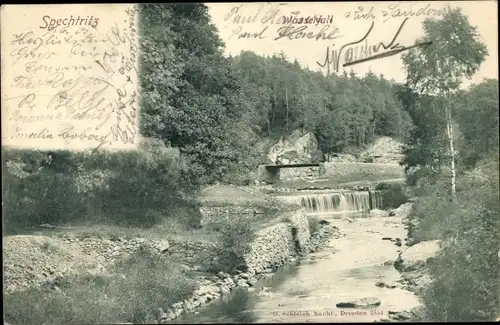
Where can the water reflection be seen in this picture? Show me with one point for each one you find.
(239, 306)
(236, 308)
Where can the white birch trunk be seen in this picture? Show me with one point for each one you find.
(449, 126)
(286, 102)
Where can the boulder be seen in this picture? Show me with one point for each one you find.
(377, 213)
(299, 147)
(224, 290)
(418, 313)
(221, 275)
(252, 282)
(400, 315)
(357, 303)
(340, 158)
(418, 255)
(245, 276)
(242, 283)
(404, 210)
(383, 150)
(184, 268)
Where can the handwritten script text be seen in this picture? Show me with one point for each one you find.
(71, 86)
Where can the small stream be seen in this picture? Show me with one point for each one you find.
(346, 269)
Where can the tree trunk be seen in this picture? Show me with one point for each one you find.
(268, 123)
(286, 103)
(275, 96)
(449, 126)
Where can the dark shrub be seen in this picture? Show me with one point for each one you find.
(393, 195)
(313, 224)
(236, 238)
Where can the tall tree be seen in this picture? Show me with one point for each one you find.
(477, 112)
(191, 95)
(456, 53)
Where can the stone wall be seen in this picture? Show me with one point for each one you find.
(43, 259)
(193, 253)
(287, 174)
(345, 169)
(276, 244)
(217, 214)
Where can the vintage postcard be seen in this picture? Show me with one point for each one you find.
(265, 162)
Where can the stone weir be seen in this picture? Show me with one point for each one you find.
(275, 242)
(278, 236)
(336, 202)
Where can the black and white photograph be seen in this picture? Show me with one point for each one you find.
(253, 162)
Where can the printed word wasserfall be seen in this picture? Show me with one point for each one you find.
(306, 20)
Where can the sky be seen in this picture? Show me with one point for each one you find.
(259, 27)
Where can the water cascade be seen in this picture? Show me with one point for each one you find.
(337, 202)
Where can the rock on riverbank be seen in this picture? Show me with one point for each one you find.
(413, 264)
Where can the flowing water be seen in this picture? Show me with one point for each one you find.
(346, 269)
(319, 203)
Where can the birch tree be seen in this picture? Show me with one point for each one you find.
(456, 53)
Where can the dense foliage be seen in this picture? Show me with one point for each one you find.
(466, 272)
(131, 188)
(455, 133)
(344, 112)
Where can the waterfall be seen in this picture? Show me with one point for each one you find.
(376, 200)
(337, 202)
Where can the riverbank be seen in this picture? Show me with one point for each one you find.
(413, 265)
(351, 279)
(110, 273)
(464, 273)
(224, 284)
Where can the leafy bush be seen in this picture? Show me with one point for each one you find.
(393, 195)
(236, 238)
(417, 175)
(430, 209)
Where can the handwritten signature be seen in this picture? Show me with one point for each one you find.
(355, 53)
(292, 32)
